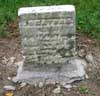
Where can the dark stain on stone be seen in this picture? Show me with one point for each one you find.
(27, 22)
(62, 52)
(58, 69)
(70, 35)
(71, 43)
(39, 58)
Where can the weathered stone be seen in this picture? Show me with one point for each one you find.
(67, 86)
(9, 87)
(57, 90)
(48, 42)
(23, 85)
(41, 84)
(89, 58)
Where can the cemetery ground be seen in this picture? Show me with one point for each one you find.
(10, 53)
(88, 17)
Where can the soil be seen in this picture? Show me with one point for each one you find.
(10, 52)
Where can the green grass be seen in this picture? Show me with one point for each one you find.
(88, 13)
(83, 90)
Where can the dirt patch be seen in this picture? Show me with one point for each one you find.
(11, 47)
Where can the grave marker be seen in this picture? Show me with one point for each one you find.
(48, 42)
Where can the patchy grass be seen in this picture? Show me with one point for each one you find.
(88, 16)
(83, 90)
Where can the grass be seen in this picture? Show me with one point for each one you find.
(83, 90)
(88, 16)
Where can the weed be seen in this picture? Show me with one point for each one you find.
(83, 90)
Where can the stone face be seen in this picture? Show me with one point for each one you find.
(48, 37)
(48, 42)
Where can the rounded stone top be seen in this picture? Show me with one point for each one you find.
(43, 9)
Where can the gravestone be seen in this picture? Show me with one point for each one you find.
(48, 43)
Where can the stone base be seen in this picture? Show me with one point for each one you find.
(68, 73)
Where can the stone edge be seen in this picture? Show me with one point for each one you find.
(42, 9)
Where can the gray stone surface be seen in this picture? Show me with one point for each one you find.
(9, 87)
(48, 37)
(48, 42)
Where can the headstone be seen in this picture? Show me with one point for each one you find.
(48, 42)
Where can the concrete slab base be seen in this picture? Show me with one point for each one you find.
(71, 71)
